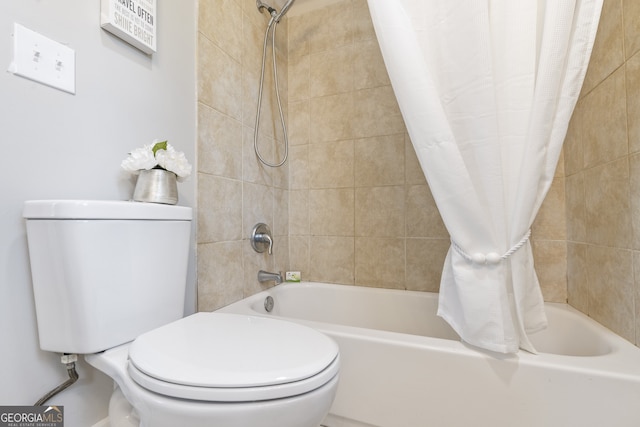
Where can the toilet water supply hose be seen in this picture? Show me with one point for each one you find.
(70, 361)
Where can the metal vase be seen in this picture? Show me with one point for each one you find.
(156, 186)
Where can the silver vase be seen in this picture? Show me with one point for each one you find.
(156, 186)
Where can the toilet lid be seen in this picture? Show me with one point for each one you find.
(232, 357)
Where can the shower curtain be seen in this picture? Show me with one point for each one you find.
(486, 89)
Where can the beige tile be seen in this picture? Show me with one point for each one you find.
(280, 174)
(270, 123)
(332, 118)
(299, 123)
(576, 208)
(218, 150)
(362, 24)
(423, 216)
(299, 212)
(306, 32)
(333, 259)
(634, 193)
(219, 79)
(219, 209)
(281, 255)
(636, 271)
(299, 255)
(573, 143)
(299, 164)
(577, 277)
(251, 65)
(282, 36)
(560, 167)
(331, 212)
(413, 170)
(380, 262)
(220, 275)
(271, 151)
(550, 223)
(252, 170)
(608, 205)
(376, 113)
(368, 66)
(298, 35)
(331, 27)
(425, 260)
(380, 211)
(611, 292)
(221, 22)
(255, 18)
(605, 122)
(379, 161)
(299, 77)
(331, 71)
(631, 16)
(607, 52)
(257, 206)
(331, 164)
(280, 227)
(633, 101)
(550, 257)
(250, 87)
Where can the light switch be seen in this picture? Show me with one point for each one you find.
(43, 60)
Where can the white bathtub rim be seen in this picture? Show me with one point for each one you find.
(623, 361)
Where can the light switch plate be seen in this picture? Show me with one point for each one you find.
(43, 60)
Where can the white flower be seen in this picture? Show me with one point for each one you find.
(159, 155)
(140, 159)
(174, 161)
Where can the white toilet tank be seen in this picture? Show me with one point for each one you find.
(105, 271)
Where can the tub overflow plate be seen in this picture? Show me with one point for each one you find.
(268, 304)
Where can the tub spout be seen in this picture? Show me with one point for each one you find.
(265, 276)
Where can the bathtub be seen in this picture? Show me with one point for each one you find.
(402, 366)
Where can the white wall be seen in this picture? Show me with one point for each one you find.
(57, 145)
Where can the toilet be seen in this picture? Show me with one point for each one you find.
(109, 283)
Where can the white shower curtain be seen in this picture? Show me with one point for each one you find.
(487, 88)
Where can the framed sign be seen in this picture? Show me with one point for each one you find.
(134, 21)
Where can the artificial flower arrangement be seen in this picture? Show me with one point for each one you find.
(158, 155)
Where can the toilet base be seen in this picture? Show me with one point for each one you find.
(281, 414)
(130, 403)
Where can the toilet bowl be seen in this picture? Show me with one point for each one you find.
(213, 369)
(109, 279)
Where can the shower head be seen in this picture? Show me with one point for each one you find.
(277, 16)
(260, 5)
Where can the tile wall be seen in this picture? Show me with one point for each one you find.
(602, 167)
(352, 206)
(234, 191)
(360, 209)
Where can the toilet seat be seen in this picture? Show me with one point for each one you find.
(221, 357)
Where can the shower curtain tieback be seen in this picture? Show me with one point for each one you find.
(486, 89)
(491, 257)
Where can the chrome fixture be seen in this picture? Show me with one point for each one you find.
(277, 16)
(268, 304)
(261, 239)
(70, 361)
(265, 276)
(273, 23)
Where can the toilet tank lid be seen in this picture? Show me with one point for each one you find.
(103, 209)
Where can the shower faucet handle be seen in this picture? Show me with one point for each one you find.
(261, 239)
